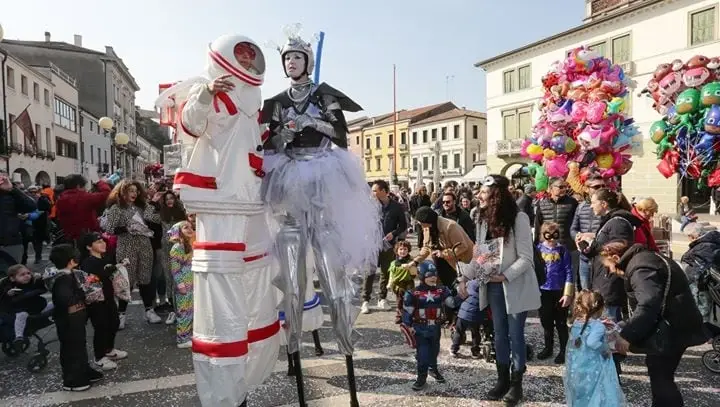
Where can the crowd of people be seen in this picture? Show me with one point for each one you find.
(589, 264)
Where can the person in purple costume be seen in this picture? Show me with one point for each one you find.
(556, 291)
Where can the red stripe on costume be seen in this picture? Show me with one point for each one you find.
(235, 349)
(220, 246)
(220, 60)
(260, 334)
(195, 181)
(256, 163)
(229, 105)
(265, 135)
(254, 258)
(182, 123)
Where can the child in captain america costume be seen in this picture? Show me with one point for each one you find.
(423, 312)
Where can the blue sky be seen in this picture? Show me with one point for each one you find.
(162, 41)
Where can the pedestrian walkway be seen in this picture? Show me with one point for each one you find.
(157, 373)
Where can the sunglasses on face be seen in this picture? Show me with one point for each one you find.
(447, 202)
(551, 235)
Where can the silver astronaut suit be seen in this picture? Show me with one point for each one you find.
(319, 194)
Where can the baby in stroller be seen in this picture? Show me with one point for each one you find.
(470, 317)
(20, 298)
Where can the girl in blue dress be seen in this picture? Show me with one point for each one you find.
(590, 377)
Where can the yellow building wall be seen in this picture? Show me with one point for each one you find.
(643, 180)
(384, 152)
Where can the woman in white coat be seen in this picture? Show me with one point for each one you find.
(513, 292)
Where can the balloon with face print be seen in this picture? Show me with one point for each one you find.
(711, 94)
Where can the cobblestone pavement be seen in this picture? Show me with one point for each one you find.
(157, 373)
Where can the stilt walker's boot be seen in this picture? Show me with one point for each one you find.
(318, 346)
(503, 383)
(515, 393)
(547, 350)
(291, 366)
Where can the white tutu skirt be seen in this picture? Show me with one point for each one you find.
(330, 194)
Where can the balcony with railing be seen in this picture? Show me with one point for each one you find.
(368, 152)
(50, 156)
(29, 150)
(506, 148)
(41, 154)
(16, 147)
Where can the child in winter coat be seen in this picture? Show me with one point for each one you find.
(401, 275)
(181, 235)
(469, 317)
(423, 314)
(590, 377)
(21, 294)
(556, 291)
(70, 316)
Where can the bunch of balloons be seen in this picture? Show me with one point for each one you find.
(582, 128)
(688, 135)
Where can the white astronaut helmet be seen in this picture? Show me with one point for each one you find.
(238, 56)
(297, 44)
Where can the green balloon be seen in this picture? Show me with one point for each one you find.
(658, 131)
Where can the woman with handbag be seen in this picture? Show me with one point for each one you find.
(665, 321)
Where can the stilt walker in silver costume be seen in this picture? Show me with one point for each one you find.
(322, 201)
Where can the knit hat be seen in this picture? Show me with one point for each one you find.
(425, 214)
(426, 269)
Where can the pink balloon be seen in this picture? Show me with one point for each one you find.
(557, 167)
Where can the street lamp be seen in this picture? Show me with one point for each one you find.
(121, 142)
(105, 123)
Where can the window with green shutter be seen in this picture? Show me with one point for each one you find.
(621, 51)
(702, 26)
(524, 77)
(508, 81)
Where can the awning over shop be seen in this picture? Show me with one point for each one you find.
(476, 174)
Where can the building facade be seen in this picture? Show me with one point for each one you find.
(451, 143)
(637, 34)
(96, 147)
(105, 85)
(28, 87)
(385, 139)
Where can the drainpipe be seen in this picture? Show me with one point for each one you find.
(4, 115)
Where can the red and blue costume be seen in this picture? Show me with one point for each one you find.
(423, 310)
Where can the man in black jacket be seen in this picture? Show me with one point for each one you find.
(560, 208)
(394, 224)
(451, 210)
(525, 202)
(13, 204)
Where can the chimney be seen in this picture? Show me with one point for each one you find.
(47, 36)
(77, 40)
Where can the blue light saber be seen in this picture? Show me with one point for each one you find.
(318, 57)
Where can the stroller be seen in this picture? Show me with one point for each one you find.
(35, 323)
(711, 280)
(487, 330)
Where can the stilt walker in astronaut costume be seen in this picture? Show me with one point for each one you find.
(321, 198)
(236, 326)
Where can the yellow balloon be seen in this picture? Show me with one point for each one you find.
(548, 154)
(604, 161)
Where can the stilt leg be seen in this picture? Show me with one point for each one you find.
(244, 403)
(299, 379)
(291, 367)
(351, 381)
(318, 347)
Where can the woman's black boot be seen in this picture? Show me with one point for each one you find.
(547, 351)
(503, 383)
(515, 393)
